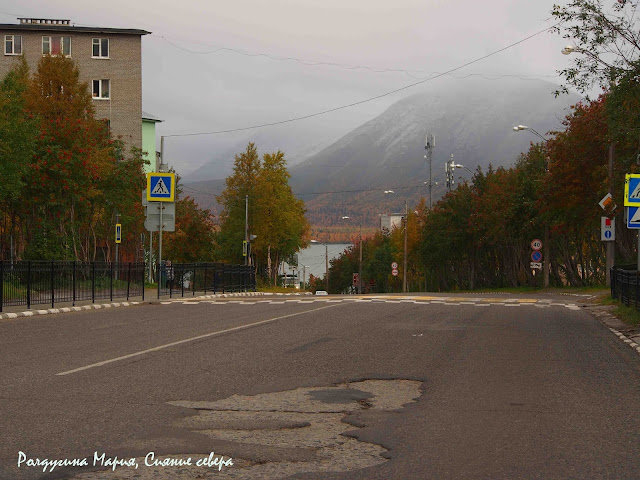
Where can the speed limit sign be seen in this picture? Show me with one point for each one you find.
(536, 244)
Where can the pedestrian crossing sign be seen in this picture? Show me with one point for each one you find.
(161, 187)
(632, 190)
(633, 217)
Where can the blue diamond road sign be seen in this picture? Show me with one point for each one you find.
(161, 187)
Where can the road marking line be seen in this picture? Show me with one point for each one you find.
(187, 340)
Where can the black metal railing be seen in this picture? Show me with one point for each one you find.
(50, 282)
(625, 286)
(188, 278)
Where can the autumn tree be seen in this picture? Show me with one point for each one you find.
(193, 239)
(276, 216)
(605, 34)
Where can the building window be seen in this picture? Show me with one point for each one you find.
(101, 89)
(100, 48)
(13, 44)
(56, 46)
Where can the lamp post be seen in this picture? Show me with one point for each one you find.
(406, 225)
(360, 263)
(326, 259)
(547, 247)
(304, 276)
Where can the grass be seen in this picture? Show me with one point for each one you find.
(628, 315)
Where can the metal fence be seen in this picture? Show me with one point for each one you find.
(625, 286)
(188, 278)
(50, 282)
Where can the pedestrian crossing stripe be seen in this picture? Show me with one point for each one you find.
(632, 190)
(161, 187)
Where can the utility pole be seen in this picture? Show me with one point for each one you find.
(326, 273)
(246, 228)
(360, 265)
(610, 260)
(430, 142)
(449, 169)
(406, 228)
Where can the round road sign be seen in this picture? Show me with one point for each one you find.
(394, 272)
(536, 255)
(394, 265)
(536, 244)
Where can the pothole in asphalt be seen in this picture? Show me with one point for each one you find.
(275, 435)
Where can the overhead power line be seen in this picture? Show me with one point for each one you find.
(345, 66)
(377, 97)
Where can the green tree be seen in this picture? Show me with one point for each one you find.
(17, 147)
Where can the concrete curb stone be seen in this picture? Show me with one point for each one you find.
(97, 306)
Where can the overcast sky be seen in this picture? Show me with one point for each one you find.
(219, 90)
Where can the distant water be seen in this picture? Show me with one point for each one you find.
(314, 258)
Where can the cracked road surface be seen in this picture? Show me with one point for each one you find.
(394, 388)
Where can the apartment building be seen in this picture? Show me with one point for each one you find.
(109, 61)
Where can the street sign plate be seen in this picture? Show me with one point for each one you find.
(536, 256)
(118, 233)
(607, 229)
(394, 272)
(633, 217)
(161, 187)
(394, 265)
(536, 265)
(536, 244)
(632, 190)
(607, 202)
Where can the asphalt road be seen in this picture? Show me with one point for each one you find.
(431, 388)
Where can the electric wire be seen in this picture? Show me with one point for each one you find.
(377, 97)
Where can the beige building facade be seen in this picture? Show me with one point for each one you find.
(109, 61)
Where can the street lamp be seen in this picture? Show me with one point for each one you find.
(406, 224)
(547, 247)
(520, 128)
(360, 264)
(326, 258)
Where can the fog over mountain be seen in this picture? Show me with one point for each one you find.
(472, 119)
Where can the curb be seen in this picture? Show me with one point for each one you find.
(603, 317)
(99, 306)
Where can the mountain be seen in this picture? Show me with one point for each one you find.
(472, 120)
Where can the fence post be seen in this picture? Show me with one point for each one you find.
(158, 278)
(29, 284)
(143, 278)
(182, 281)
(128, 280)
(111, 281)
(93, 282)
(1, 284)
(193, 280)
(205, 279)
(73, 281)
(52, 286)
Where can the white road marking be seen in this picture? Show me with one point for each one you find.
(187, 340)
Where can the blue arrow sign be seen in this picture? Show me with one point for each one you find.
(161, 187)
